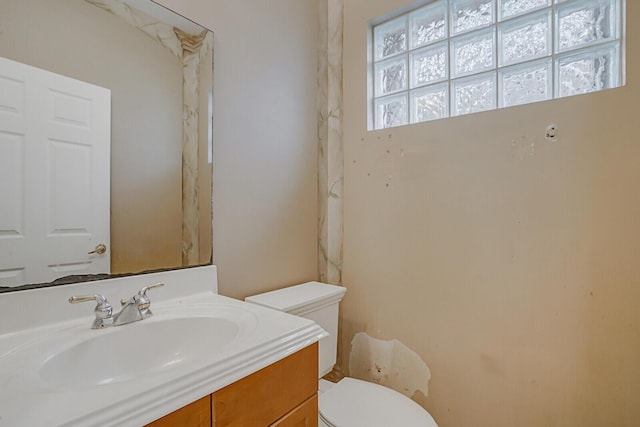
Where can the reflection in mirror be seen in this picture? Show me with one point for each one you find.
(156, 69)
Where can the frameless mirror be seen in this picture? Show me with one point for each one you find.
(105, 124)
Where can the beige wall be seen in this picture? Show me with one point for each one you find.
(516, 277)
(265, 142)
(79, 40)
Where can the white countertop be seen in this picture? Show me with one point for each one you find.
(265, 336)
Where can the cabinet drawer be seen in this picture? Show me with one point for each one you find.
(305, 415)
(264, 397)
(196, 414)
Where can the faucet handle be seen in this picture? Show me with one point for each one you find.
(100, 300)
(143, 300)
(144, 290)
(103, 310)
(141, 297)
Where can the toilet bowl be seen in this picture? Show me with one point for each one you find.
(349, 402)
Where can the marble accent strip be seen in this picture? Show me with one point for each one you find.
(330, 145)
(191, 46)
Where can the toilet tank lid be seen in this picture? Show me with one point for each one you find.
(297, 297)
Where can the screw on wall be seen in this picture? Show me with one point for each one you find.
(551, 133)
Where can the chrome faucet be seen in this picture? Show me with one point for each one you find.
(134, 309)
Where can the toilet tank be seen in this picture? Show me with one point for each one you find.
(312, 300)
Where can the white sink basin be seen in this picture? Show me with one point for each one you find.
(60, 372)
(131, 351)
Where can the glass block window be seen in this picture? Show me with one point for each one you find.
(454, 57)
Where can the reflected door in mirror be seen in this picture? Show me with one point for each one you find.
(54, 175)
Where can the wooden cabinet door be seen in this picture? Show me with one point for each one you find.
(196, 414)
(305, 415)
(281, 395)
(264, 397)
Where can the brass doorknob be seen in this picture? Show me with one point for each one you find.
(100, 249)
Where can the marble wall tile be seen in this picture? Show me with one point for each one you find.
(330, 149)
(193, 51)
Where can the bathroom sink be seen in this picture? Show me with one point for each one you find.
(128, 352)
(55, 370)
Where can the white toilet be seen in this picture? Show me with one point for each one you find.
(350, 402)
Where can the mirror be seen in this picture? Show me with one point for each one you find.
(158, 67)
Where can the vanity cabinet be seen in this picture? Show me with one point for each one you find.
(196, 414)
(283, 394)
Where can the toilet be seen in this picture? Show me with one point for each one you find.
(349, 402)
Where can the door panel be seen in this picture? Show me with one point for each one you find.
(11, 184)
(54, 175)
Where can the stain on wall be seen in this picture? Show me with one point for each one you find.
(389, 363)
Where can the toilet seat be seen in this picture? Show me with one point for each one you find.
(357, 403)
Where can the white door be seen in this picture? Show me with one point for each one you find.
(55, 137)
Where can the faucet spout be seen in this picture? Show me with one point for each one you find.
(136, 308)
(129, 313)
